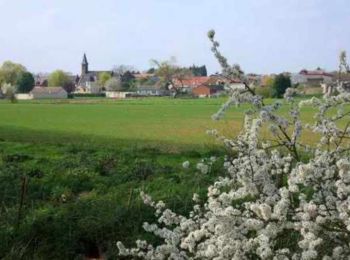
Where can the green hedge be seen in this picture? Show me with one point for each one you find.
(87, 95)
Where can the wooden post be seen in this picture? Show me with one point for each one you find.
(24, 185)
(130, 197)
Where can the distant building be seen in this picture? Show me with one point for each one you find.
(153, 90)
(88, 80)
(254, 79)
(203, 91)
(118, 94)
(41, 79)
(330, 88)
(311, 77)
(44, 93)
(48, 93)
(191, 82)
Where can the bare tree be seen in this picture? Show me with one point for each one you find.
(170, 75)
(120, 70)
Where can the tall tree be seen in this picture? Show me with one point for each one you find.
(199, 70)
(122, 69)
(279, 86)
(103, 78)
(10, 72)
(59, 78)
(25, 82)
(128, 80)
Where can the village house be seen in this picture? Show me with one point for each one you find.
(311, 77)
(153, 90)
(44, 93)
(203, 91)
(191, 83)
(220, 81)
(330, 88)
(213, 86)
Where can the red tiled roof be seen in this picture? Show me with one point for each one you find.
(315, 73)
(194, 81)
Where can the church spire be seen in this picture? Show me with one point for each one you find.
(84, 65)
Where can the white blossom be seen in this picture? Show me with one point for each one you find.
(272, 203)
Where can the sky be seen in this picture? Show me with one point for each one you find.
(263, 36)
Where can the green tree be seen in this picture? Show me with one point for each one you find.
(279, 86)
(103, 78)
(128, 80)
(59, 78)
(10, 72)
(199, 70)
(25, 82)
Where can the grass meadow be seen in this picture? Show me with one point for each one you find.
(162, 122)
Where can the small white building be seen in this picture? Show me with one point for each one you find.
(26, 96)
(118, 94)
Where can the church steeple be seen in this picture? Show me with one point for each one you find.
(84, 65)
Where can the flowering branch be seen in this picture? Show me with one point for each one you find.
(268, 195)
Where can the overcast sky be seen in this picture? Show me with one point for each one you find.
(264, 36)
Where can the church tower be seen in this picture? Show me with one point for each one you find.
(84, 65)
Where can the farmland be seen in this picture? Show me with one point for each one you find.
(83, 162)
(163, 122)
(154, 121)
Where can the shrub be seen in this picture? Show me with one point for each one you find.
(273, 203)
(279, 86)
(88, 95)
(265, 92)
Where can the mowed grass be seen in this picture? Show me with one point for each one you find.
(162, 122)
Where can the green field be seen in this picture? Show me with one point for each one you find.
(161, 122)
(174, 123)
(71, 170)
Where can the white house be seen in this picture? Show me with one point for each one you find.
(311, 77)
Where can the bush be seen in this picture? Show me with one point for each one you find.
(263, 91)
(279, 86)
(273, 203)
(88, 95)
